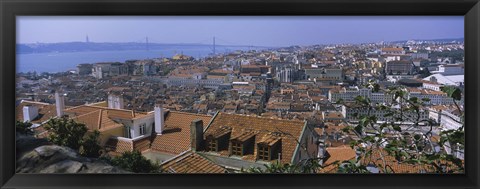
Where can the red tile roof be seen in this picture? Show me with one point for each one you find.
(97, 120)
(176, 135)
(396, 166)
(142, 144)
(45, 111)
(112, 113)
(288, 130)
(191, 162)
(117, 146)
(391, 49)
(335, 156)
(101, 118)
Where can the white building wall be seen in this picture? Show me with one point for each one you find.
(148, 120)
(29, 113)
(450, 121)
(435, 87)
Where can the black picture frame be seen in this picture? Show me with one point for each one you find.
(9, 9)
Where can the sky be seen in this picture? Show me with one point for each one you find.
(237, 30)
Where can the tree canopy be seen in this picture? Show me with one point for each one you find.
(135, 162)
(24, 128)
(90, 146)
(66, 132)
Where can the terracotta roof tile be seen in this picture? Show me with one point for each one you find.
(290, 131)
(191, 162)
(270, 140)
(176, 135)
(395, 165)
(319, 131)
(112, 113)
(142, 144)
(335, 156)
(101, 118)
(341, 153)
(45, 111)
(97, 120)
(118, 146)
(392, 49)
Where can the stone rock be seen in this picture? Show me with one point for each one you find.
(25, 143)
(37, 156)
(65, 166)
(100, 167)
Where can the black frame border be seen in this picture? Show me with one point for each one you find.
(9, 9)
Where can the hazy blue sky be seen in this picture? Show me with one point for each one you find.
(267, 31)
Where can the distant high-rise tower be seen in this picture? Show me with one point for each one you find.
(214, 45)
(146, 43)
(87, 40)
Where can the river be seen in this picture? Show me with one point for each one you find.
(60, 62)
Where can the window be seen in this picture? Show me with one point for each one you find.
(212, 145)
(237, 148)
(143, 129)
(128, 132)
(263, 152)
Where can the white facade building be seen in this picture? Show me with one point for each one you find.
(354, 113)
(432, 85)
(449, 121)
(349, 94)
(445, 117)
(436, 97)
(453, 80)
(450, 69)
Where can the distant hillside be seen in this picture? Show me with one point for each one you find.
(91, 46)
(433, 40)
(82, 46)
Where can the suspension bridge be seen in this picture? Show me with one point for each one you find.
(215, 44)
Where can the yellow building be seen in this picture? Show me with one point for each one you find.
(182, 57)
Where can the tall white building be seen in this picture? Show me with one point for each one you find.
(285, 74)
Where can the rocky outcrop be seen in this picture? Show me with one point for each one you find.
(37, 156)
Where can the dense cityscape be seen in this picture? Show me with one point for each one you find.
(316, 108)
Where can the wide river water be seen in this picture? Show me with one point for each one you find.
(60, 62)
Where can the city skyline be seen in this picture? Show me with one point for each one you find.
(238, 30)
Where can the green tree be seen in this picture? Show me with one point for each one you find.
(135, 162)
(424, 73)
(66, 132)
(412, 145)
(408, 137)
(90, 146)
(351, 166)
(310, 165)
(24, 128)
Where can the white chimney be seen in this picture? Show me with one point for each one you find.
(159, 118)
(115, 101)
(60, 104)
(29, 113)
(119, 102)
(110, 101)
